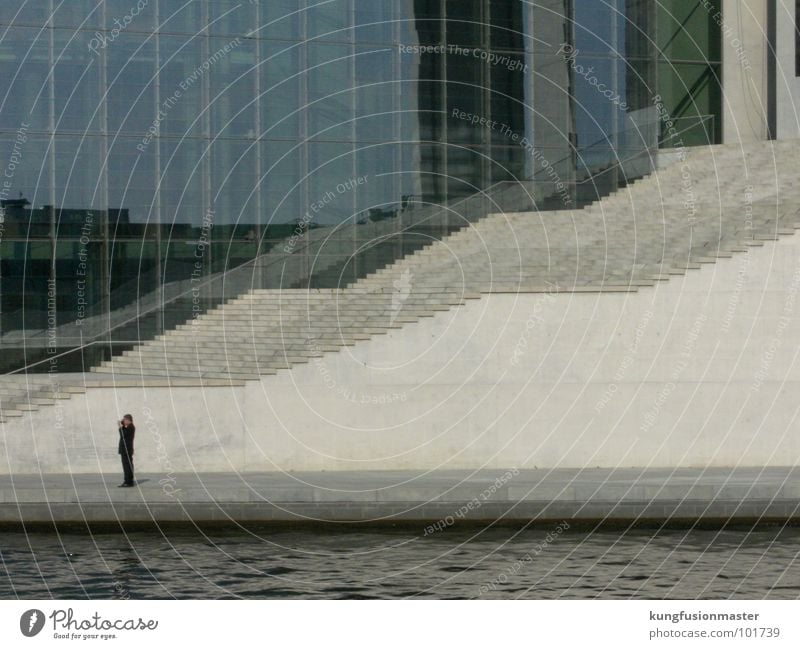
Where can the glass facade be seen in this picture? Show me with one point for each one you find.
(153, 145)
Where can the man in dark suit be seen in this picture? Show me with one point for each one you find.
(126, 432)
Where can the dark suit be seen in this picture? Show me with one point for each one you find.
(125, 449)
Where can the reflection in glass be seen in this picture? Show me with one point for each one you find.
(248, 114)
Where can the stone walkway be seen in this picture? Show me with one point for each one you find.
(442, 498)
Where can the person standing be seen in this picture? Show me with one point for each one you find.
(126, 432)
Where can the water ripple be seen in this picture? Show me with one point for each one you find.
(399, 565)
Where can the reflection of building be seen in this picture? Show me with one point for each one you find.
(61, 222)
(244, 114)
(97, 260)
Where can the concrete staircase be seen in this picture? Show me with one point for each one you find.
(20, 394)
(717, 202)
(283, 265)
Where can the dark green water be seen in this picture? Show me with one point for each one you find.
(505, 563)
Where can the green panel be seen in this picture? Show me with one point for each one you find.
(688, 39)
(687, 31)
(691, 97)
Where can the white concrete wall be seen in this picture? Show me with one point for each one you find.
(744, 71)
(787, 84)
(702, 370)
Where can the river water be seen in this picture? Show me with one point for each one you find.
(458, 563)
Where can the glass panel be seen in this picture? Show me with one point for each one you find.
(75, 223)
(595, 27)
(231, 17)
(637, 27)
(131, 77)
(76, 76)
(507, 25)
(10, 286)
(84, 14)
(133, 271)
(181, 17)
(687, 31)
(377, 165)
(331, 21)
(180, 254)
(24, 78)
(181, 86)
(281, 19)
(375, 94)
(181, 186)
(330, 97)
(129, 16)
(428, 23)
(640, 85)
(598, 95)
(25, 179)
(234, 195)
(233, 81)
(464, 171)
(229, 253)
(691, 96)
(507, 163)
(23, 221)
(464, 27)
(465, 83)
(78, 180)
(281, 80)
(508, 100)
(26, 271)
(282, 186)
(79, 278)
(432, 173)
(24, 12)
(552, 171)
(375, 21)
(409, 183)
(131, 173)
(330, 166)
(422, 96)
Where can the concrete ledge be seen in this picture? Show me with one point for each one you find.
(597, 496)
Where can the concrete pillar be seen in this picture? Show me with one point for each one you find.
(744, 70)
(787, 83)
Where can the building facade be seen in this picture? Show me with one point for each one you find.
(151, 142)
